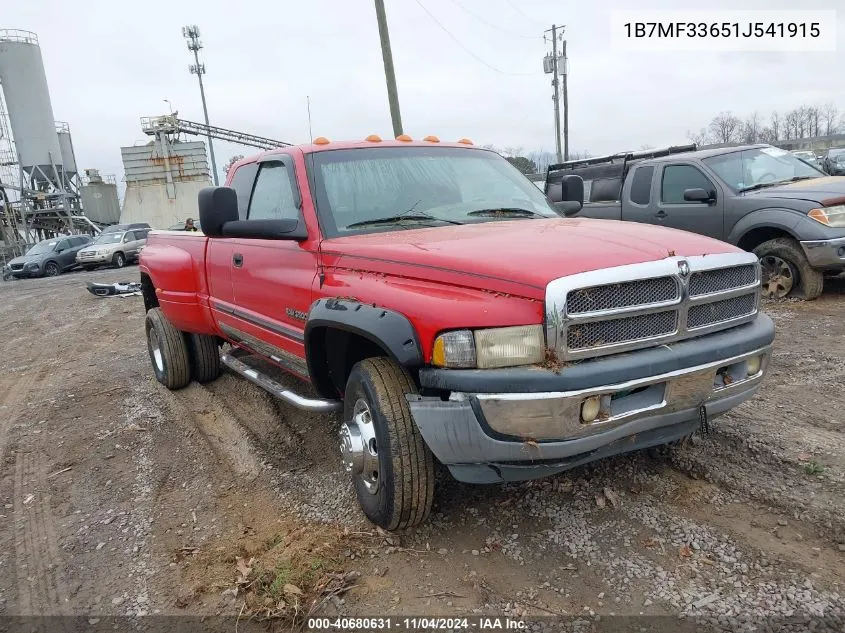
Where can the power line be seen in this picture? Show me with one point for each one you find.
(494, 26)
(458, 42)
(522, 13)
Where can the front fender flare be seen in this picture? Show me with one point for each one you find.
(390, 330)
(786, 220)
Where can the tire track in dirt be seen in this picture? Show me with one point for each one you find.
(220, 429)
(40, 580)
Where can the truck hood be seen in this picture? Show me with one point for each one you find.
(517, 257)
(819, 190)
(93, 248)
(23, 259)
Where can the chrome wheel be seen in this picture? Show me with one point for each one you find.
(359, 448)
(155, 350)
(778, 277)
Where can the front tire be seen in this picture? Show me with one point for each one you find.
(205, 357)
(52, 269)
(119, 260)
(786, 271)
(392, 468)
(168, 351)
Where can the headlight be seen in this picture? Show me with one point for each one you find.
(830, 216)
(31, 265)
(102, 252)
(491, 348)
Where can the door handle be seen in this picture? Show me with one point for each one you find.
(660, 214)
(237, 260)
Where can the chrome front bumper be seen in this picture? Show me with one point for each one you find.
(825, 253)
(479, 435)
(93, 259)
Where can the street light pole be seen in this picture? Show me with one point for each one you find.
(192, 34)
(389, 75)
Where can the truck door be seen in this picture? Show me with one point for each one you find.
(670, 209)
(272, 279)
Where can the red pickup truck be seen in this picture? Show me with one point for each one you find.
(435, 298)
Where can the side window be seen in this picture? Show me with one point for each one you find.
(729, 168)
(272, 198)
(679, 178)
(242, 183)
(128, 236)
(140, 235)
(63, 245)
(641, 185)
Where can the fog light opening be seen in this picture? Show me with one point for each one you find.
(753, 364)
(590, 409)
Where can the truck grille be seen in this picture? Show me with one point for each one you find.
(598, 333)
(622, 295)
(642, 305)
(708, 281)
(706, 314)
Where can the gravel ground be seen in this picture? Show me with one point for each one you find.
(125, 499)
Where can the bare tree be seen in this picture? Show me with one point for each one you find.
(231, 162)
(767, 135)
(751, 128)
(829, 115)
(775, 127)
(814, 118)
(700, 138)
(725, 127)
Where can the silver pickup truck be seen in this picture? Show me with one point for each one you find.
(758, 197)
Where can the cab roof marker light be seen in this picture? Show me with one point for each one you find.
(465, 141)
(373, 138)
(404, 137)
(431, 139)
(321, 140)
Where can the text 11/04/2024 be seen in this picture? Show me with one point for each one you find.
(764, 30)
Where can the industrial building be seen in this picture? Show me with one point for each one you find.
(40, 184)
(42, 190)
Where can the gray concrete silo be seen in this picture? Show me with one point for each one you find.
(66, 148)
(27, 98)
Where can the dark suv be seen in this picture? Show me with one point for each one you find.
(834, 162)
(49, 258)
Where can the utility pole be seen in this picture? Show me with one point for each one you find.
(565, 104)
(389, 75)
(192, 34)
(551, 66)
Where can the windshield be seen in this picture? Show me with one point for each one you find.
(108, 238)
(47, 246)
(760, 166)
(837, 155)
(428, 186)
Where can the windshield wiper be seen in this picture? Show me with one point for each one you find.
(402, 217)
(760, 185)
(506, 212)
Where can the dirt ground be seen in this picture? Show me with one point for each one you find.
(122, 498)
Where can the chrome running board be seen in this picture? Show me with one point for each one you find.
(264, 381)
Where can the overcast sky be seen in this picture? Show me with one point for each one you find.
(109, 63)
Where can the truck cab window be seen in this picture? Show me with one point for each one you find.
(641, 185)
(272, 198)
(242, 183)
(729, 168)
(679, 178)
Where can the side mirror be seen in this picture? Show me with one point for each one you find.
(287, 229)
(699, 195)
(217, 205)
(567, 196)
